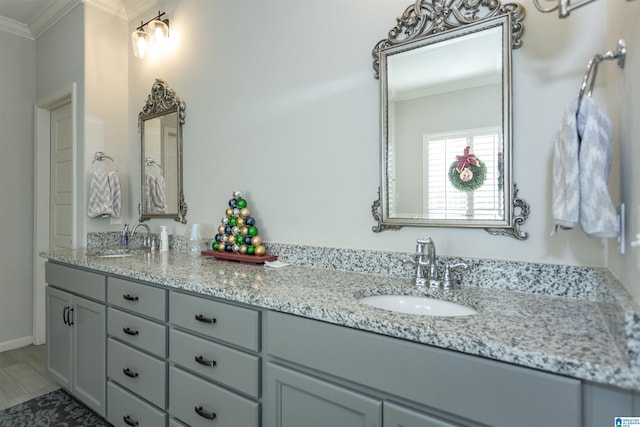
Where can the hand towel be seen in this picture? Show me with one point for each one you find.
(598, 217)
(104, 195)
(566, 180)
(155, 194)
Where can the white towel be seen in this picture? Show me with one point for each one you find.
(104, 195)
(155, 194)
(566, 180)
(598, 217)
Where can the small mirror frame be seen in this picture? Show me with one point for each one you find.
(161, 101)
(427, 18)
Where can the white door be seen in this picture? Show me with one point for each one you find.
(61, 179)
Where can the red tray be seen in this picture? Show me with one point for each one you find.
(230, 256)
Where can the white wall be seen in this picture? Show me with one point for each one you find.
(106, 88)
(624, 107)
(17, 91)
(282, 104)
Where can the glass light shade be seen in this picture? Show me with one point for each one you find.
(159, 32)
(141, 42)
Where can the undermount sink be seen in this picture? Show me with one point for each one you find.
(412, 304)
(111, 253)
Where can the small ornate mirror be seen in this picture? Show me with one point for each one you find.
(160, 126)
(445, 118)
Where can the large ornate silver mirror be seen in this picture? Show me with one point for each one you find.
(445, 118)
(160, 122)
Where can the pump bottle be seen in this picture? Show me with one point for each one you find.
(164, 239)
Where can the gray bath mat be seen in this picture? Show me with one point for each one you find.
(55, 409)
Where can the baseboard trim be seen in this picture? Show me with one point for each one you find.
(17, 343)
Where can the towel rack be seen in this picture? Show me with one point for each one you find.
(150, 161)
(100, 156)
(564, 7)
(589, 79)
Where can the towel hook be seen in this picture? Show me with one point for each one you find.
(592, 67)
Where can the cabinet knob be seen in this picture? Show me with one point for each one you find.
(205, 362)
(204, 413)
(204, 319)
(131, 374)
(130, 421)
(130, 297)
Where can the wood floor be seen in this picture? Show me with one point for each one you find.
(23, 375)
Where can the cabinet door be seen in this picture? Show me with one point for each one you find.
(59, 336)
(89, 329)
(398, 416)
(296, 399)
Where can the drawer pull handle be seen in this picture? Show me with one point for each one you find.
(205, 414)
(130, 297)
(130, 421)
(128, 372)
(129, 331)
(201, 360)
(203, 319)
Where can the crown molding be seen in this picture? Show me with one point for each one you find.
(14, 27)
(48, 17)
(139, 7)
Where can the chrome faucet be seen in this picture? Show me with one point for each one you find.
(425, 257)
(146, 240)
(433, 263)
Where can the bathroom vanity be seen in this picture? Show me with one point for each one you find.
(171, 339)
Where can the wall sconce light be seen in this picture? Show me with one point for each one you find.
(155, 37)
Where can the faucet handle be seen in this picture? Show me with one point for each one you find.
(447, 281)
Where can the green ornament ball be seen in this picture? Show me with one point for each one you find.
(250, 250)
(241, 203)
(215, 246)
(253, 231)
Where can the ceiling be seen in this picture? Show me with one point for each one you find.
(30, 18)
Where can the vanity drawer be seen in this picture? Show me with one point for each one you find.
(126, 410)
(236, 325)
(232, 367)
(134, 330)
(189, 392)
(143, 299)
(140, 373)
(85, 283)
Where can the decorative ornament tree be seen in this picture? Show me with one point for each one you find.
(237, 232)
(467, 173)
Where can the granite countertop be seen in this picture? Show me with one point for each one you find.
(555, 334)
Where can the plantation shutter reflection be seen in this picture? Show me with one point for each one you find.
(442, 199)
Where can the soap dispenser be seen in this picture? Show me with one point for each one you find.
(164, 239)
(124, 237)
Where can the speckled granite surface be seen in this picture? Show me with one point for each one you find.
(592, 335)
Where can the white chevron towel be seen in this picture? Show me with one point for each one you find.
(156, 194)
(104, 195)
(566, 179)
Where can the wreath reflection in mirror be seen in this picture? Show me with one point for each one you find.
(467, 173)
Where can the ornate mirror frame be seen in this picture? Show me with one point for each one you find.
(162, 104)
(428, 22)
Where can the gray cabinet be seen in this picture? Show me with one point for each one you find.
(400, 416)
(298, 399)
(215, 372)
(76, 334)
(136, 354)
(446, 385)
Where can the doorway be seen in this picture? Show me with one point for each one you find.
(55, 217)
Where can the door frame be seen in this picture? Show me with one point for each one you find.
(42, 170)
